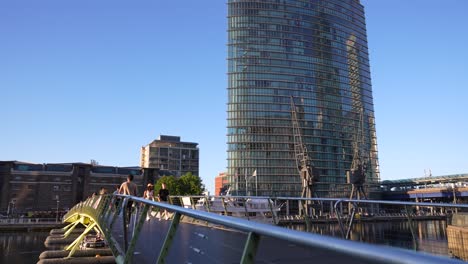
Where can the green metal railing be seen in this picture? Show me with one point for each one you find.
(103, 212)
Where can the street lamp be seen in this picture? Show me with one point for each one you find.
(11, 206)
(58, 202)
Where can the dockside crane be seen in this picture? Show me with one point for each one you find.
(358, 170)
(307, 171)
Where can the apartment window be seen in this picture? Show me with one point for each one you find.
(56, 188)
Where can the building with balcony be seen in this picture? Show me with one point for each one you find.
(170, 154)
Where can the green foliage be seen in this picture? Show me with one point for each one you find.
(171, 184)
(187, 184)
(191, 184)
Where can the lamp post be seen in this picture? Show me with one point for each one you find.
(8, 209)
(454, 196)
(11, 205)
(454, 193)
(58, 202)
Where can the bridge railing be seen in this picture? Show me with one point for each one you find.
(27, 221)
(144, 231)
(420, 226)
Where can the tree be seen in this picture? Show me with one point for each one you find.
(191, 184)
(171, 185)
(187, 184)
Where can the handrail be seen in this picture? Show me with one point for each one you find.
(345, 200)
(371, 252)
(26, 220)
(366, 251)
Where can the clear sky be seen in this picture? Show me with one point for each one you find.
(82, 80)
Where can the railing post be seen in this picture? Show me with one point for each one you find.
(125, 224)
(118, 208)
(207, 203)
(245, 207)
(110, 205)
(339, 217)
(103, 206)
(306, 211)
(192, 202)
(224, 206)
(413, 233)
(169, 238)
(136, 233)
(272, 212)
(351, 220)
(250, 249)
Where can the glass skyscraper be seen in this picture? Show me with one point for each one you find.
(315, 53)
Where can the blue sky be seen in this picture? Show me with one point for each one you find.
(87, 79)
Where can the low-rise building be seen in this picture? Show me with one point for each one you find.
(221, 182)
(171, 154)
(26, 187)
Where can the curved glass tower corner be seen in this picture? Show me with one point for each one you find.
(314, 52)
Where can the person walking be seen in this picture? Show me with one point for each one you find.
(128, 188)
(149, 192)
(163, 196)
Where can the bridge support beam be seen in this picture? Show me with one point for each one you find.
(250, 249)
(65, 228)
(410, 222)
(136, 233)
(71, 227)
(169, 238)
(75, 244)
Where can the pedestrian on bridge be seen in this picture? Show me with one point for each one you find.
(128, 188)
(149, 192)
(163, 197)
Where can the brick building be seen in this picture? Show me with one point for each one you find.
(27, 187)
(220, 182)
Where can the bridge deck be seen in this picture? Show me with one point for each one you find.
(198, 243)
(224, 240)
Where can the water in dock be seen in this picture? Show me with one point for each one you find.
(25, 247)
(431, 234)
(21, 247)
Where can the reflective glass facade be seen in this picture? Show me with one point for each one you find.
(314, 51)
